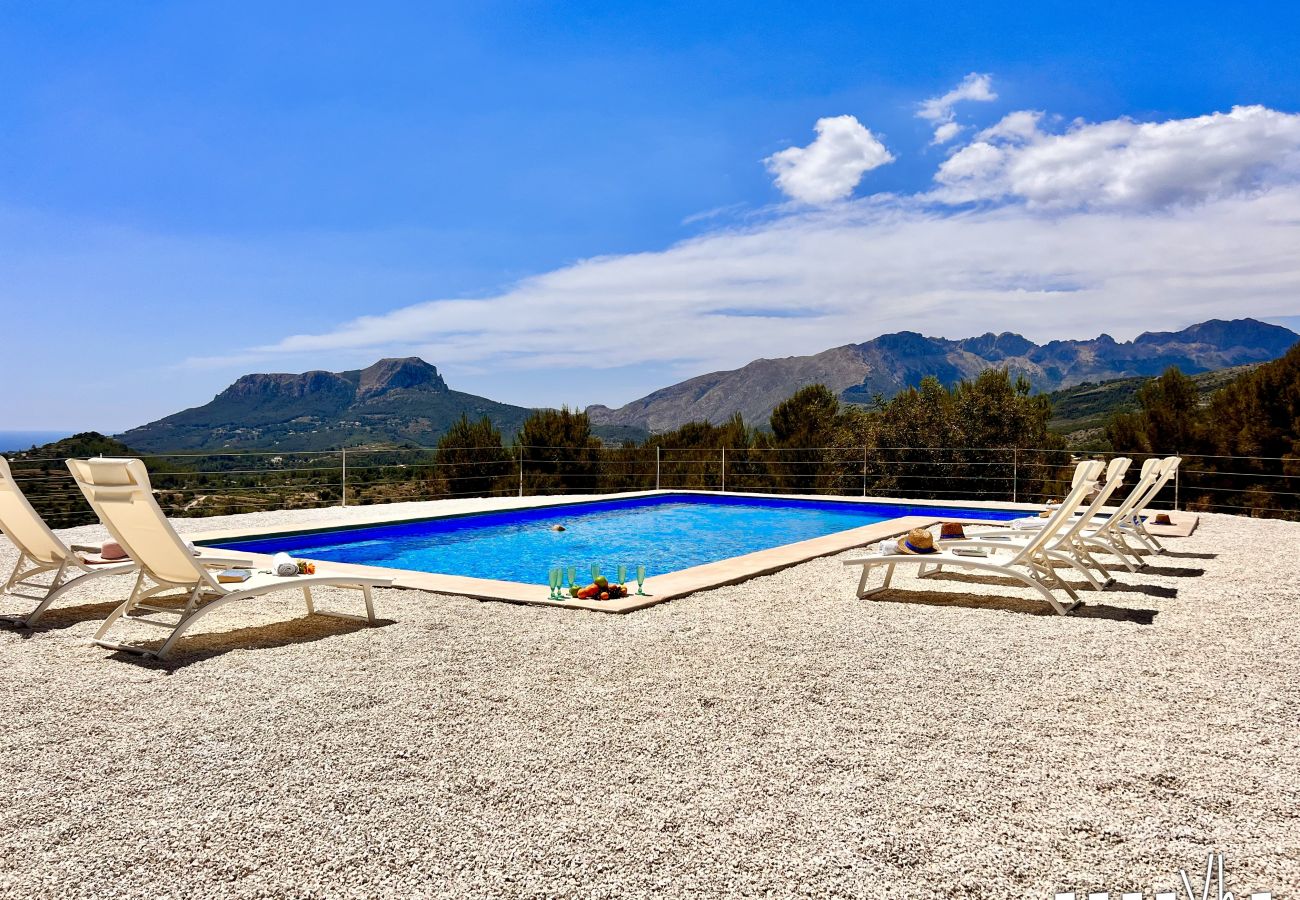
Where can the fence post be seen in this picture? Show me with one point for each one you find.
(1176, 471)
(724, 470)
(345, 476)
(656, 467)
(864, 470)
(521, 470)
(1015, 474)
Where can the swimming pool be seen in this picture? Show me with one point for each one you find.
(664, 532)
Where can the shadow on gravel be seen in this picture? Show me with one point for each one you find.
(1000, 580)
(1171, 571)
(1023, 605)
(1151, 590)
(59, 617)
(198, 647)
(1186, 554)
(1084, 590)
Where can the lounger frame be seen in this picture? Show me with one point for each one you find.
(1033, 563)
(119, 492)
(41, 552)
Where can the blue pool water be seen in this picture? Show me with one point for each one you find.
(666, 532)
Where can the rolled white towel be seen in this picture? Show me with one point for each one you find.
(283, 564)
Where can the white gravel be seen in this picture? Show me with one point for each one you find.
(775, 738)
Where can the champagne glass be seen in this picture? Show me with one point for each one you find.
(573, 577)
(555, 583)
(595, 571)
(640, 580)
(622, 573)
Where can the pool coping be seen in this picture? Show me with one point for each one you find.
(659, 588)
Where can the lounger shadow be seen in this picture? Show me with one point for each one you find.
(208, 645)
(1022, 605)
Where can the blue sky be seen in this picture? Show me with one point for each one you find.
(193, 191)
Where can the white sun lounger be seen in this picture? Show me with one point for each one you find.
(1078, 539)
(1031, 563)
(1108, 534)
(40, 552)
(1132, 522)
(119, 492)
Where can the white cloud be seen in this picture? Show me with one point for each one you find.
(852, 272)
(1116, 226)
(831, 166)
(1123, 164)
(1016, 127)
(941, 110)
(946, 132)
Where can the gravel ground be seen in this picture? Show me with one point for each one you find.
(776, 738)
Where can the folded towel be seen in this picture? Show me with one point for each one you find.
(284, 565)
(112, 550)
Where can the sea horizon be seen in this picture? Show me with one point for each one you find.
(16, 441)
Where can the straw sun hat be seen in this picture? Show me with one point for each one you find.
(918, 540)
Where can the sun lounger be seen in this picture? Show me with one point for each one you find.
(119, 492)
(1077, 541)
(1107, 534)
(40, 552)
(1132, 522)
(1031, 563)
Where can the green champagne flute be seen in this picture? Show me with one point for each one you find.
(573, 577)
(622, 573)
(640, 580)
(595, 571)
(555, 583)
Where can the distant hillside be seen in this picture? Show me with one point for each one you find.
(394, 401)
(85, 444)
(892, 362)
(45, 479)
(1081, 412)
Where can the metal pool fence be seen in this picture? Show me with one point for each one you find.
(236, 481)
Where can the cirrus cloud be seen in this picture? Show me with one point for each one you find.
(831, 166)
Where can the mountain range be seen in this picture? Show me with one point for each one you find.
(890, 363)
(407, 401)
(392, 401)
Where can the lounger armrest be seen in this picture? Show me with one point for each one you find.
(863, 560)
(974, 542)
(225, 562)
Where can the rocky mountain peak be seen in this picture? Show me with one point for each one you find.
(260, 386)
(997, 346)
(1227, 334)
(410, 372)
